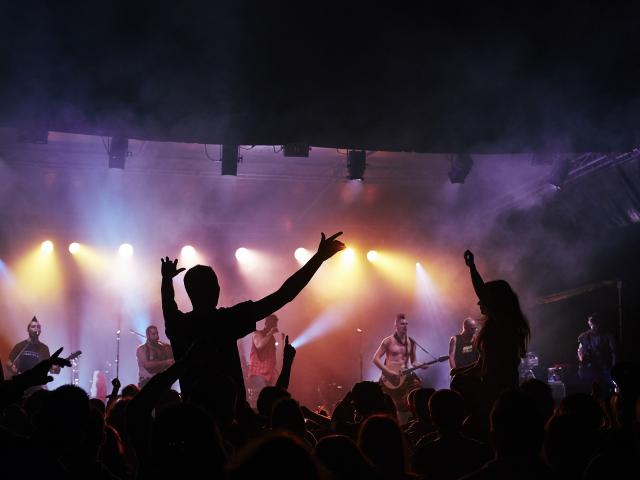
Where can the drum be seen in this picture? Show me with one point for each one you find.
(531, 360)
(528, 363)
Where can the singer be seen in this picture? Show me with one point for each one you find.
(153, 356)
(262, 359)
(28, 353)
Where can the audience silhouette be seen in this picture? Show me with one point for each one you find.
(485, 427)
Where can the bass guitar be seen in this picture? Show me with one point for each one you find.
(400, 374)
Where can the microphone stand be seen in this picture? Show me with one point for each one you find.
(360, 331)
(118, 354)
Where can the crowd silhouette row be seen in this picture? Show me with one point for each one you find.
(487, 425)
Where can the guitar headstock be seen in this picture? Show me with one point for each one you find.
(74, 355)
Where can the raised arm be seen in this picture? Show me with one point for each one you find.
(169, 270)
(295, 283)
(476, 279)
(287, 363)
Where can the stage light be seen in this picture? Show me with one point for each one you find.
(229, 160)
(295, 150)
(349, 256)
(302, 255)
(118, 151)
(74, 248)
(125, 250)
(356, 164)
(242, 254)
(460, 167)
(47, 246)
(188, 252)
(372, 255)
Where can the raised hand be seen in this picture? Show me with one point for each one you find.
(289, 351)
(115, 383)
(469, 258)
(329, 246)
(170, 268)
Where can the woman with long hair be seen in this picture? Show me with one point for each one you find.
(501, 342)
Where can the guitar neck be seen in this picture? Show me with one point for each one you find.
(437, 360)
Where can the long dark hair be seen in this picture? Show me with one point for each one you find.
(504, 321)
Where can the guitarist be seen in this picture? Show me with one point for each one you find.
(597, 351)
(28, 353)
(399, 351)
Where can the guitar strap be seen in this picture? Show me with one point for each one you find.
(407, 348)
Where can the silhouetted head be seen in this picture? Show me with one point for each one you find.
(130, 391)
(498, 297)
(201, 284)
(342, 457)
(381, 442)
(541, 394)
(268, 397)
(287, 415)
(275, 455)
(186, 441)
(63, 422)
(368, 398)
(446, 408)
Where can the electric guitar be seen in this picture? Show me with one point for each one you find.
(55, 369)
(396, 381)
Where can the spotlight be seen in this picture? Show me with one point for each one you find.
(460, 167)
(188, 252)
(559, 171)
(302, 255)
(349, 256)
(74, 248)
(125, 250)
(296, 150)
(356, 164)
(242, 254)
(118, 151)
(229, 160)
(372, 255)
(46, 246)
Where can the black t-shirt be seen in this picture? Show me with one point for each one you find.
(465, 353)
(27, 355)
(598, 348)
(223, 327)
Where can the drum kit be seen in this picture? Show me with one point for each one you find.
(556, 373)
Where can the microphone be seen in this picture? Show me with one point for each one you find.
(443, 358)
